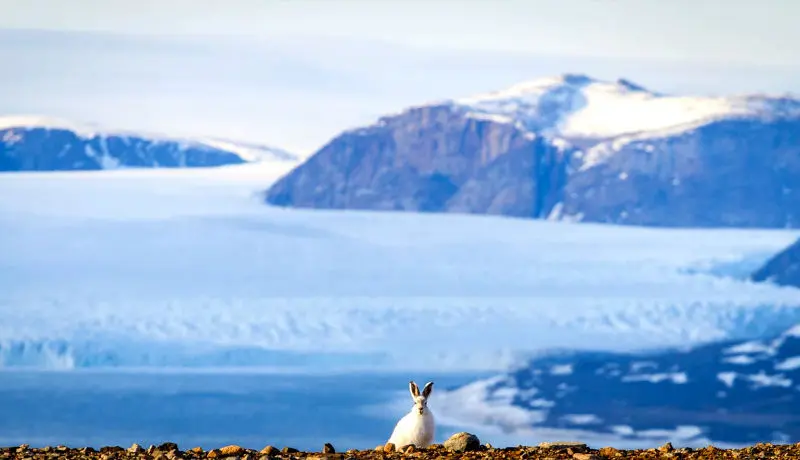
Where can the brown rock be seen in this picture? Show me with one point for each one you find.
(231, 450)
(607, 451)
(575, 445)
(269, 450)
(585, 456)
(463, 442)
(168, 446)
(213, 453)
(666, 447)
(328, 448)
(389, 447)
(289, 450)
(410, 448)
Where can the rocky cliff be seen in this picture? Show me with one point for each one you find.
(434, 158)
(569, 147)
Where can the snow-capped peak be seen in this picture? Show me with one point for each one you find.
(579, 106)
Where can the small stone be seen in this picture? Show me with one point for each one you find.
(135, 448)
(196, 450)
(410, 448)
(231, 450)
(379, 448)
(666, 447)
(213, 453)
(168, 446)
(488, 446)
(269, 450)
(462, 442)
(575, 445)
(608, 452)
(582, 456)
(389, 447)
(328, 448)
(289, 450)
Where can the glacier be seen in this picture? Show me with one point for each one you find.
(177, 269)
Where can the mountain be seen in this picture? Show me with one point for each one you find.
(42, 144)
(727, 392)
(570, 148)
(783, 268)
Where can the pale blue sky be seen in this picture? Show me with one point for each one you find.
(295, 72)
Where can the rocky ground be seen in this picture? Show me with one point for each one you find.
(461, 445)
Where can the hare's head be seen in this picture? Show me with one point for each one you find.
(420, 400)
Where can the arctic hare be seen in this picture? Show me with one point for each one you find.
(417, 426)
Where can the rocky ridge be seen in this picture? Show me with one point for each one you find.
(42, 144)
(569, 148)
(548, 450)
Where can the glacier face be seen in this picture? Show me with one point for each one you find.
(186, 268)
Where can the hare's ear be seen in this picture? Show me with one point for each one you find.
(413, 388)
(427, 390)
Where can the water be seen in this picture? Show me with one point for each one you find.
(207, 409)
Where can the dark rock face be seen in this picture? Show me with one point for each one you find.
(738, 169)
(730, 173)
(431, 159)
(54, 149)
(737, 392)
(783, 269)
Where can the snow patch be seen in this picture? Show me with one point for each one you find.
(762, 379)
(579, 107)
(727, 378)
(674, 377)
(788, 364)
(562, 369)
(581, 419)
(740, 359)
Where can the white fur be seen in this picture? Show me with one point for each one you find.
(415, 428)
